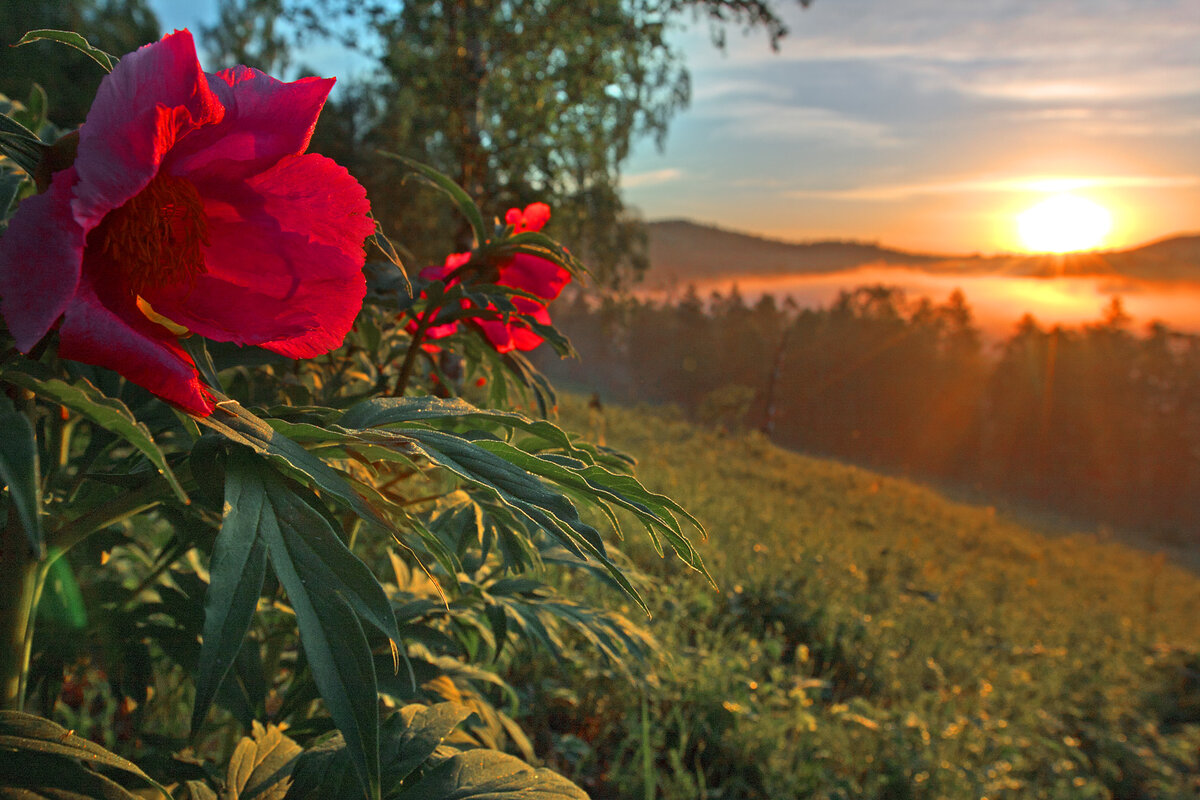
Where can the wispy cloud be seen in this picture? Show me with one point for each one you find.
(760, 119)
(1029, 183)
(652, 178)
(1050, 50)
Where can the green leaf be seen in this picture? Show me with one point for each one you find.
(489, 775)
(38, 107)
(239, 425)
(237, 568)
(20, 144)
(62, 601)
(655, 511)
(326, 587)
(10, 187)
(194, 790)
(261, 765)
(19, 471)
(33, 776)
(512, 484)
(408, 738)
(414, 733)
(71, 39)
(522, 491)
(198, 350)
(461, 199)
(25, 738)
(107, 412)
(392, 411)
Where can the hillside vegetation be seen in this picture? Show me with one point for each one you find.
(871, 639)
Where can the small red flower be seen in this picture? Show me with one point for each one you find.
(191, 206)
(529, 273)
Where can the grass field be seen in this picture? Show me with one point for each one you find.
(871, 639)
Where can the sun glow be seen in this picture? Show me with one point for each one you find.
(1062, 224)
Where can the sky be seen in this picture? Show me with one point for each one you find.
(927, 125)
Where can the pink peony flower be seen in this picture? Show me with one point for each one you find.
(191, 206)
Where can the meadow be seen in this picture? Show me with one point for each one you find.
(871, 639)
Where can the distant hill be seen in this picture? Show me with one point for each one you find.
(682, 252)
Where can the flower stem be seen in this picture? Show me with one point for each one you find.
(19, 585)
(414, 348)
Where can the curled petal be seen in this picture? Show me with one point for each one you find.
(533, 218)
(535, 275)
(265, 120)
(40, 257)
(104, 327)
(284, 263)
(153, 98)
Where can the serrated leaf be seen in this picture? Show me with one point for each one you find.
(107, 412)
(71, 39)
(19, 471)
(28, 736)
(460, 198)
(261, 765)
(489, 775)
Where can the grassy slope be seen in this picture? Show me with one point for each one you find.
(871, 639)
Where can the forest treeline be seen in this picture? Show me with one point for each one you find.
(1100, 422)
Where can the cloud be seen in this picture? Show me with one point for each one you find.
(766, 120)
(1029, 183)
(652, 178)
(1036, 52)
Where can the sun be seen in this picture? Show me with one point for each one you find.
(1062, 224)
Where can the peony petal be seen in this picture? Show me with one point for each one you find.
(265, 120)
(536, 216)
(535, 275)
(533, 218)
(40, 257)
(153, 98)
(284, 261)
(508, 336)
(103, 326)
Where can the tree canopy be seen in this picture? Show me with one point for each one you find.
(518, 101)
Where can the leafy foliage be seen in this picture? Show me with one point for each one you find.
(516, 102)
(235, 547)
(69, 75)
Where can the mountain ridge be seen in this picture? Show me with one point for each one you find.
(683, 251)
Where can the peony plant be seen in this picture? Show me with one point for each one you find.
(236, 453)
